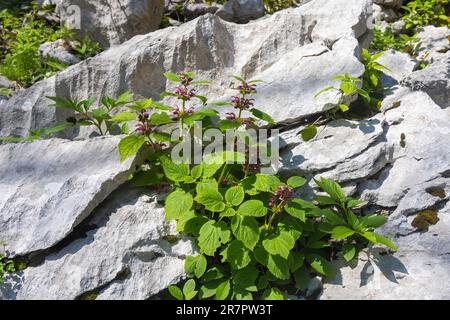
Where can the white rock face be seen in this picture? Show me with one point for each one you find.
(294, 65)
(416, 272)
(57, 50)
(389, 3)
(48, 187)
(399, 64)
(434, 43)
(434, 80)
(126, 255)
(424, 158)
(111, 22)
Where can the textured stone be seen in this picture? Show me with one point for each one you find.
(111, 22)
(48, 187)
(57, 50)
(125, 255)
(343, 150)
(399, 64)
(434, 80)
(416, 272)
(423, 158)
(294, 65)
(242, 11)
(434, 43)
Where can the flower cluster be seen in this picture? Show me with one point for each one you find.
(178, 113)
(283, 194)
(185, 79)
(247, 88)
(185, 93)
(241, 103)
(145, 128)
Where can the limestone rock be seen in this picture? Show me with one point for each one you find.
(111, 22)
(343, 150)
(434, 80)
(399, 64)
(422, 157)
(48, 187)
(415, 272)
(242, 11)
(434, 43)
(294, 65)
(58, 51)
(125, 255)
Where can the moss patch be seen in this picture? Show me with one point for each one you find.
(424, 219)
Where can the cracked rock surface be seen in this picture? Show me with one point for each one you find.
(125, 255)
(50, 186)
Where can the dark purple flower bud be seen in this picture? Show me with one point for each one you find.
(240, 103)
(144, 116)
(246, 88)
(144, 128)
(247, 121)
(185, 80)
(231, 116)
(185, 93)
(189, 111)
(175, 111)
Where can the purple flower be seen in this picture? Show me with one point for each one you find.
(231, 116)
(246, 88)
(241, 103)
(175, 111)
(247, 121)
(144, 116)
(185, 93)
(283, 194)
(185, 80)
(144, 128)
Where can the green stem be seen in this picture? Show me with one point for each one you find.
(222, 174)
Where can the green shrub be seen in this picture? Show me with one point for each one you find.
(22, 32)
(421, 13)
(384, 40)
(6, 265)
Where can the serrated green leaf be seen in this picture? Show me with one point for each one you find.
(211, 199)
(309, 133)
(262, 116)
(212, 236)
(172, 77)
(267, 183)
(373, 221)
(296, 182)
(341, 232)
(177, 204)
(245, 279)
(235, 195)
(320, 264)
(236, 254)
(280, 244)
(195, 265)
(295, 261)
(246, 230)
(189, 289)
(277, 266)
(159, 119)
(387, 242)
(228, 212)
(223, 290)
(252, 208)
(173, 171)
(123, 117)
(295, 209)
(176, 292)
(349, 251)
(130, 145)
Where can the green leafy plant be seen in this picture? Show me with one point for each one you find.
(22, 32)
(373, 73)
(273, 6)
(384, 40)
(7, 92)
(7, 266)
(420, 13)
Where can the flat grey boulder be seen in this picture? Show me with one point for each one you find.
(343, 150)
(111, 22)
(129, 252)
(418, 132)
(416, 272)
(434, 80)
(434, 43)
(399, 66)
(57, 50)
(295, 65)
(49, 187)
